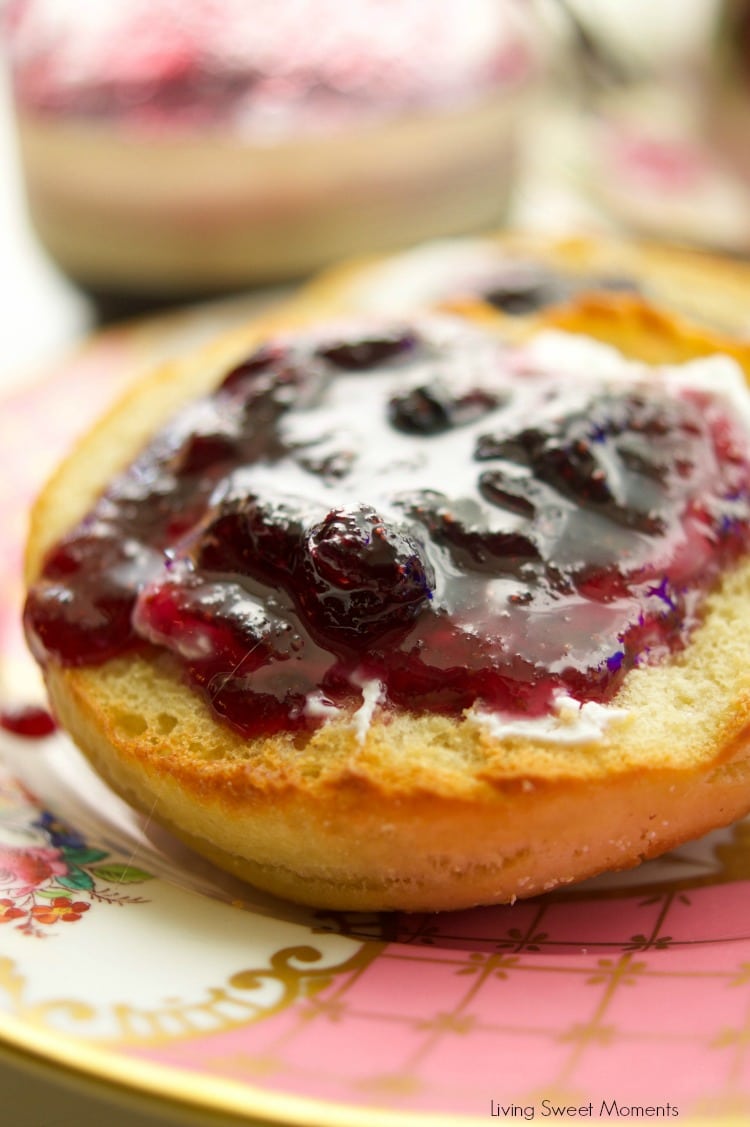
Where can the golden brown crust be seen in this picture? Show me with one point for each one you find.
(419, 812)
(644, 332)
(353, 836)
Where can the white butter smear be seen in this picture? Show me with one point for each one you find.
(318, 706)
(585, 359)
(373, 692)
(571, 722)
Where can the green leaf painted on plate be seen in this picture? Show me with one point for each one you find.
(52, 893)
(77, 880)
(121, 874)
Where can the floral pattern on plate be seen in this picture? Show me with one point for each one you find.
(49, 874)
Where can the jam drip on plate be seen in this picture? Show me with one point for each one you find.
(420, 514)
(29, 721)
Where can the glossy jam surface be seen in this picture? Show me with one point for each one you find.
(419, 509)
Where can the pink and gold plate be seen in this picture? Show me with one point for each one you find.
(128, 960)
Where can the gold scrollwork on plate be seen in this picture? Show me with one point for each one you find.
(291, 971)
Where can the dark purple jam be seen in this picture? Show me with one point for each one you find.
(28, 720)
(424, 508)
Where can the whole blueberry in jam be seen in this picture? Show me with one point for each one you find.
(250, 536)
(433, 408)
(361, 576)
(370, 351)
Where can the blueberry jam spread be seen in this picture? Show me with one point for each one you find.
(421, 509)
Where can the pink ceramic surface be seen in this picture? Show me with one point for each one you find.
(626, 993)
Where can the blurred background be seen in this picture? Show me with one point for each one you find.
(155, 152)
